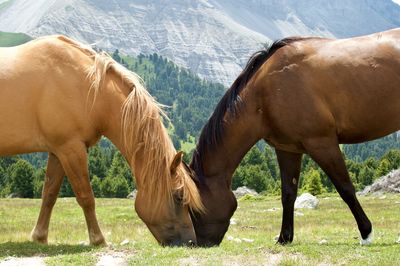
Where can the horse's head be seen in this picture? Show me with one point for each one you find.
(220, 204)
(169, 220)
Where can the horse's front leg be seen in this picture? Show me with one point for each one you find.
(326, 153)
(289, 165)
(73, 157)
(51, 187)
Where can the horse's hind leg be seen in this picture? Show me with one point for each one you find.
(52, 184)
(289, 165)
(73, 158)
(326, 152)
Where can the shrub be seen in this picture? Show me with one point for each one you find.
(115, 187)
(21, 176)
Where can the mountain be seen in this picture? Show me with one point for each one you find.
(213, 38)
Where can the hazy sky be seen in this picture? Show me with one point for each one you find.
(396, 1)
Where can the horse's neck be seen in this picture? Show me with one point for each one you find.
(238, 138)
(137, 149)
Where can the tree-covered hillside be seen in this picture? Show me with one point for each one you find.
(376, 148)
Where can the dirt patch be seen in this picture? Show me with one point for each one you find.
(191, 261)
(112, 259)
(268, 259)
(31, 261)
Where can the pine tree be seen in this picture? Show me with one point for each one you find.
(119, 167)
(383, 169)
(312, 182)
(97, 162)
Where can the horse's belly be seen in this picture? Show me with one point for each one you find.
(368, 127)
(19, 133)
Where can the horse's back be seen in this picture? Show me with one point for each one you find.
(348, 86)
(43, 88)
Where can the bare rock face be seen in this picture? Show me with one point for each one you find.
(242, 191)
(306, 201)
(213, 38)
(389, 183)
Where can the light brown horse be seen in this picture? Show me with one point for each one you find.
(301, 95)
(59, 96)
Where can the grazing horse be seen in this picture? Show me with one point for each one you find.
(59, 96)
(301, 95)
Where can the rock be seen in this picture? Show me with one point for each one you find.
(296, 213)
(238, 240)
(125, 242)
(306, 201)
(323, 242)
(132, 195)
(242, 191)
(389, 183)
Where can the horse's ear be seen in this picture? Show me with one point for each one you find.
(176, 162)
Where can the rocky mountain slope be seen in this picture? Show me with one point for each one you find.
(213, 38)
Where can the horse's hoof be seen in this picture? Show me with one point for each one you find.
(99, 243)
(283, 241)
(39, 238)
(368, 240)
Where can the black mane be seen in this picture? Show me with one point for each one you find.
(212, 132)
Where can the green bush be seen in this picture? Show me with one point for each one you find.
(21, 177)
(114, 187)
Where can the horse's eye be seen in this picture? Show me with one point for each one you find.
(178, 197)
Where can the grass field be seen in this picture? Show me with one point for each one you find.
(248, 242)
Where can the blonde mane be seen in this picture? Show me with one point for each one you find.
(142, 129)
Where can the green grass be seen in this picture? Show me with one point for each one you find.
(332, 221)
(12, 39)
(188, 146)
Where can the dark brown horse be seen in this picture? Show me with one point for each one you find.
(301, 95)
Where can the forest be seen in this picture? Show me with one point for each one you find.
(190, 101)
